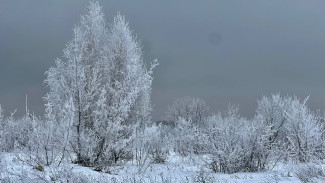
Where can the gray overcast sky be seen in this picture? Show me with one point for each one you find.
(226, 52)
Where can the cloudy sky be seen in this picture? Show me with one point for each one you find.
(223, 51)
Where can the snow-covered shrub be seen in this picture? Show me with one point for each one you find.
(187, 118)
(48, 141)
(204, 177)
(37, 139)
(293, 131)
(150, 146)
(226, 137)
(309, 172)
(188, 138)
(270, 116)
(233, 143)
(304, 133)
(158, 148)
(66, 174)
(15, 133)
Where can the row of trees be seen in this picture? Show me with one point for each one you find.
(283, 130)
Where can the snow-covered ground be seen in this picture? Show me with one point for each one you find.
(176, 169)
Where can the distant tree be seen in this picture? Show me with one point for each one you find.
(188, 117)
(189, 109)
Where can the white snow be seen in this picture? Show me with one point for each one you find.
(177, 169)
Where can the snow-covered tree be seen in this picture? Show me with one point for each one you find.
(124, 105)
(104, 74)
(130, 82)
(78, 75)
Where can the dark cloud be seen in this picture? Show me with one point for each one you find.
(225, 51)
